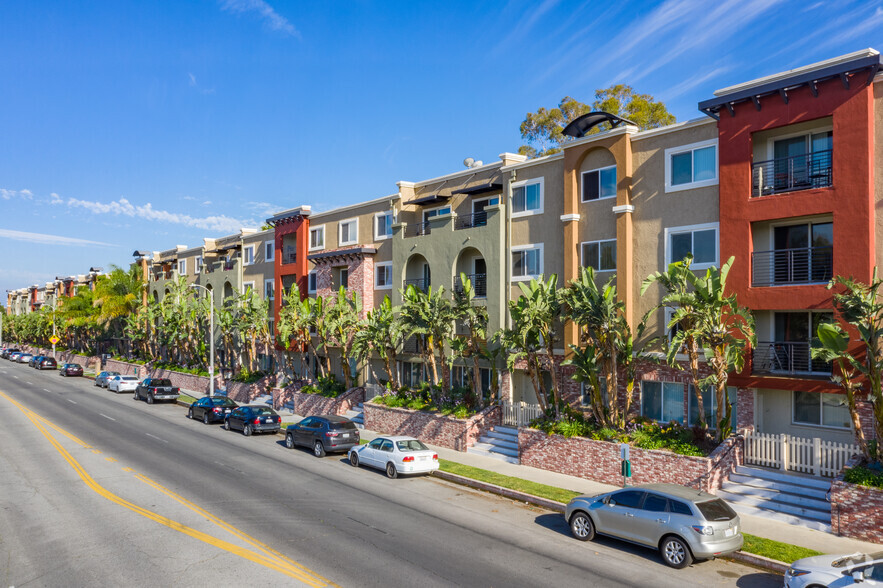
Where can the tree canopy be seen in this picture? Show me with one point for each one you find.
(542, 129)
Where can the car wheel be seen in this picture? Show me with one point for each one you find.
(581, 527)
(135, 396)
(675, 552)
(227, 425)
(247, 431)
(289, 441)
(391, 471)
(189, 413)
(150, 399)
(354, 459)
(205, 419)
(319, 449)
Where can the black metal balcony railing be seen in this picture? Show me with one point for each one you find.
(229, 265)
(479, 284)
(781, 267)
(417, 229)
(421, 284)
(787, 357)
(289, 257)
(208, 268)
(477, 219)
(788, 174)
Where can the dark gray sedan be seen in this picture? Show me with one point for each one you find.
(253, 419)
(102, 378)
(324, 434)
(211, 408)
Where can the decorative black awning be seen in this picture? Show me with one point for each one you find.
(580, 126)
(433, 199)
(479, 189)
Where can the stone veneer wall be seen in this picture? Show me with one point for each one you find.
(600, 461)
(856, 511)
(435, 429)
(126, 368)
(313, 404)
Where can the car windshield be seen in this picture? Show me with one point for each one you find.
(113, 373)
(223, 402)
(342, 426)
(160, 382)
(411, 445)
(716, 510)
(261, 410)
(856, 558)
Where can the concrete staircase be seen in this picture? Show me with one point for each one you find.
(357, 415)
(500, 442)
(772, 494)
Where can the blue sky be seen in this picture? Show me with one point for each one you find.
(142, 125)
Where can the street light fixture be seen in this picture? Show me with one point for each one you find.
(211, 338)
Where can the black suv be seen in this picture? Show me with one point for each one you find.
(324, 433)
(153, 389)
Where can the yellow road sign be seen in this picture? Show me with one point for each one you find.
(53, 339)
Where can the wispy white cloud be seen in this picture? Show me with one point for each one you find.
(55, 199)
(10, 194)
(264, 208)
(271, 18)
(45, 239)
(195, 85)
(123, 207)
(693, 82)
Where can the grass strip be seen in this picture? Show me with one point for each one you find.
(186, 398)
(776, 550)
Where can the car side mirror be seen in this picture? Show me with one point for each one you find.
(858, 576)
(611, 502)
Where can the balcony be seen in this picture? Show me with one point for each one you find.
(787, 358)
(289, 257)
(418, 229)
(790, 174)
(479, 284)
(230, 265)
(421, 284)
(478, 219)
(787, 267)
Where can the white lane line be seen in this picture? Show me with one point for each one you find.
(107, 417)
(16, 377)
(69, 400)
(45, 390)
(29, 383)
(157, 438)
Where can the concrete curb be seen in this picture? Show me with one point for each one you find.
(758, 561)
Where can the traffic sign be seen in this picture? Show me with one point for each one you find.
(53, 339)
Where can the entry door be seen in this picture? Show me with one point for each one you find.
(426, 276)
(479, 279)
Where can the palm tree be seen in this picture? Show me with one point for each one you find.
(118, 296)
(293, 330)
(382, 332)
(344, 323)
(430, 315)
(473, 345)
(316, 311)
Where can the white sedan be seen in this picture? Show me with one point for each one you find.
(121, 384)
(396, 455)
(836, 570)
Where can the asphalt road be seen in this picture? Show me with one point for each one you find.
(123, 507)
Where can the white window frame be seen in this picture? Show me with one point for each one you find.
(269, 251)
(662, 384)
(670, 231)
(197, 265)
(250, 249)
(271, 289)
(318, 229)
(378, 236)
(246, 286)
(518, 248)
(340, 225)
(582, 196)
(182, 267)
(386, 264)
(690, 148)
(437, 209)
(521, 184)
(582, 261)
(821, 416)
(315, 275)
(771, 141)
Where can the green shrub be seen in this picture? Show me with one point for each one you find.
(328, 387)
(871, 477)
(247, 377)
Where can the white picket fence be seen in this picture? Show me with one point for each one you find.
(798, 454)
(519, 414)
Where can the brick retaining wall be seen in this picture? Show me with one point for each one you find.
(313, 404)
(600, 461)
(856, 511)
(435, 429)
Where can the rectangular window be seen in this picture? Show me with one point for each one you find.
(821, 410)
(527, 262)
(383, 276)
(269, 288)
(348, 232)
(198, 264)
(691, 166)
(344, 278)
(527, 198)
(311, 283)
(599, 183)
(662, 401)
(585, 393)
(599, 255)
(709, 404)
(182, 267)
(248, 255)
(700, 240)
(411, 374)
(317, 237)
(382, 225)
(246, 286)
(269, 250)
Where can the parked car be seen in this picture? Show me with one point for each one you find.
(47, 363)
(152, 389)
(24, 358)
(324, 433)
(253, 419)
(211, 408)
(35, 359)
(396, 455)
(14, 355)
(682, 523)
(5, 353)
(121, 383)
(102, 378)
(836, 570)
(71, 369)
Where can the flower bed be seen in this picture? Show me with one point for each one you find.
(600, 461)
(856, 510)
(433, 428)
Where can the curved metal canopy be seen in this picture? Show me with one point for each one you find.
(579, 126)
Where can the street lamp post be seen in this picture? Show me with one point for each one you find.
(54, 308)
(211, 338)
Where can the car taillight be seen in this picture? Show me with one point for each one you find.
(704, 529)
(216, 410)
(257, 421)
(435, 457)
(331, 433)
(408, 458)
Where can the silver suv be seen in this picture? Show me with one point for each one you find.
(682, 523)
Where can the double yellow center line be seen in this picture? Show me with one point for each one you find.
(263, 554)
